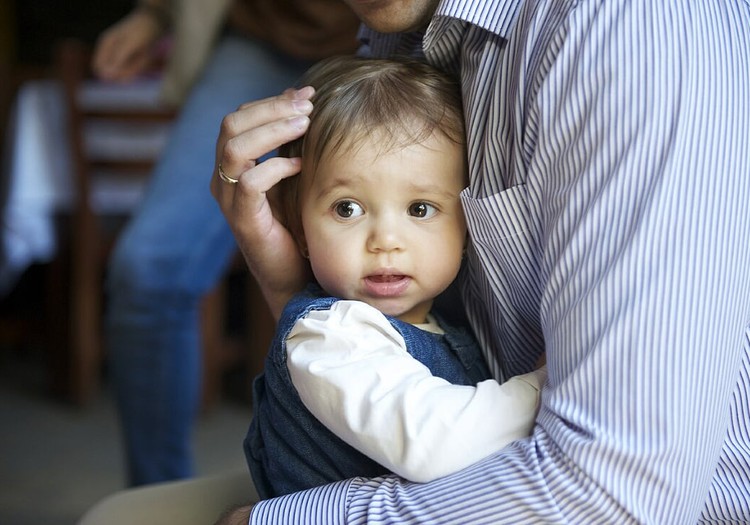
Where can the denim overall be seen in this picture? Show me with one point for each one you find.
(288, 449)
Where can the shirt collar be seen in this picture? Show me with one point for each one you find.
(495, 16)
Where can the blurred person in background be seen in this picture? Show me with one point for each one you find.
(177, 245)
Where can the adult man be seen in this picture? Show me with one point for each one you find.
(609, 164)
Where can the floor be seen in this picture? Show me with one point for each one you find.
(57, 460)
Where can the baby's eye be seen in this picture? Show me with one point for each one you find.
(348, 209)
(422, 210)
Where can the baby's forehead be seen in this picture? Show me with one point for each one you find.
(381, 139)
(433, 162)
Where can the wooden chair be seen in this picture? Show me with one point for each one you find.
(223, 348)
(92, 228)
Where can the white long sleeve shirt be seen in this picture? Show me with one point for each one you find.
(352, 371)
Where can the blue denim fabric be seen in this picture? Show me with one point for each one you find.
(175, 249)
(288, 450)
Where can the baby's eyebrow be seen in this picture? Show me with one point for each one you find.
(337, 183)
(435, 190)
(425, 188)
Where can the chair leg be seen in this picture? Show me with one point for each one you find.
(88, 352)
(58, 341)
(213, 312)
(86, 313)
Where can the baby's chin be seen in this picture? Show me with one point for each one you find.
(401, 307)
(409, 313)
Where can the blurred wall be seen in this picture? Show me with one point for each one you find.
(39, 23)
(29, 30)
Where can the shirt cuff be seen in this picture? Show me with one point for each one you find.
(325, 504)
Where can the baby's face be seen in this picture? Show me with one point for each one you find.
(387, 228)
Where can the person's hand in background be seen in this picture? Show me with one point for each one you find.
(128, 48)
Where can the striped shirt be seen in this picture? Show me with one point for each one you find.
(609, 147)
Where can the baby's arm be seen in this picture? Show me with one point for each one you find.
(353, 373)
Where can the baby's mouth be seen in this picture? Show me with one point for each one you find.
(387, 284)
(386, 278)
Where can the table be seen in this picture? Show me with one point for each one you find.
(37, 173)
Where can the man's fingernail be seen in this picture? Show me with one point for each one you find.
(305, 92)
(299, 123)
(303, 106)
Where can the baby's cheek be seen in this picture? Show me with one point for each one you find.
(328, 272)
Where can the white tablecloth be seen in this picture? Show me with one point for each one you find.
(37, 171)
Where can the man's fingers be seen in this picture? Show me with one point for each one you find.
(240, 152)
(262, 112)
(289, 95)
(268, 174)
(259, 127)
(249, 193)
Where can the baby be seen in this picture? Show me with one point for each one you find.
(364, 377)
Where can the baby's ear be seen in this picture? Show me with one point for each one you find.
(301, 242)
(298, 233)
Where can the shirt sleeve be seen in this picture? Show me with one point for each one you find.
(353, 372)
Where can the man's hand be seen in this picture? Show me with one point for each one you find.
(247, 134)
(239, 516)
